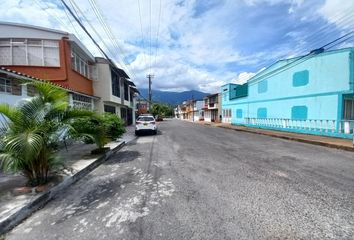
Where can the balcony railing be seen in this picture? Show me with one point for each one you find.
(316, 125)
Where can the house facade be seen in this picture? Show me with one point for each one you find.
(59, 57)
(312, 94)
(116, 92)
(47, 54)
(13, 91)
(212, 108)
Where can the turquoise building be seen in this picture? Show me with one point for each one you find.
(312, 94)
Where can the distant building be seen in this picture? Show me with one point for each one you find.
(191, 110)
(313, 95)
(212, 108)
(141, 106)
(178, 111)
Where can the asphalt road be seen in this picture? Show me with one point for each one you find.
(198, 182)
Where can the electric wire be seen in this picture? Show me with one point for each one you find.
(75, 6)
(157, 35)
(150, 39)
(301, 59)
(59, 20)
(142, 34)
(110, 35)
(78, 10)
(318, 37)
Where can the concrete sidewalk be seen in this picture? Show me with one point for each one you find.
(14, 207)
(339, 143)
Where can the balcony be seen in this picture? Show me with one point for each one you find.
(213, 105)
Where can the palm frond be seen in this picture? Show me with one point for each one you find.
(50, 93)
(12, 113)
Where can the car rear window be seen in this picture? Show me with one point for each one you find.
(146, 119)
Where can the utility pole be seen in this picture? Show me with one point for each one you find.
(193, 108)
(150, 76)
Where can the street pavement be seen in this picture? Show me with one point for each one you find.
(198, 182)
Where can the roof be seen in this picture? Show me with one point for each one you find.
(54, 35)
(283, 62)
(31, 78)
(33, 27)
(211, 95)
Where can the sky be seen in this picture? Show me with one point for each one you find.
(194, 44)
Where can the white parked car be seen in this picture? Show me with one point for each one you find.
(145, 123)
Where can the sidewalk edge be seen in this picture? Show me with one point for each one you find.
(324, 144)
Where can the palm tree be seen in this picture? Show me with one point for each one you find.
(34, 128)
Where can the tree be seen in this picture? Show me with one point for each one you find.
(34, 129)
(162, 110)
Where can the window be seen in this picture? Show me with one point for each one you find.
(126, 91)
(239, 91)
(81, 101)
(146, 119)
(33, 52)
(299, 112)
(5, 86)
(115, 84)
(261, 113)
(226, 113)
(300, 78)
(131, 95)
(263, 86)
(19, 55)
(81, 65)
(349, 109)
(239, 113)
(31, 91)
(110, 109)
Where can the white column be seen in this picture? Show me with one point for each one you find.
(24, 90)
(134, 108)
(71, 102)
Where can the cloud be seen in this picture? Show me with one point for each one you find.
(338, 14)
(243, 77)
(201, 45)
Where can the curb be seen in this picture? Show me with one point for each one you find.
(45, 197)
(313, 142)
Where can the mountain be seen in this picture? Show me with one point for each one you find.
(172, 98)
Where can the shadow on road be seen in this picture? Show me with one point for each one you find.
(148, 134)
(122, 157)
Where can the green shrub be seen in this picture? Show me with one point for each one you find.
(99, 128)
(114, 124)
(35, 127)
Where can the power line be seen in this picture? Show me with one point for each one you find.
(52, 15)
(150, 39)
(142, 35)
(67, 15)
(157, 35)
(74, 6)
(84, 28)
(296, 61)
(110, 34)
(319, 36)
